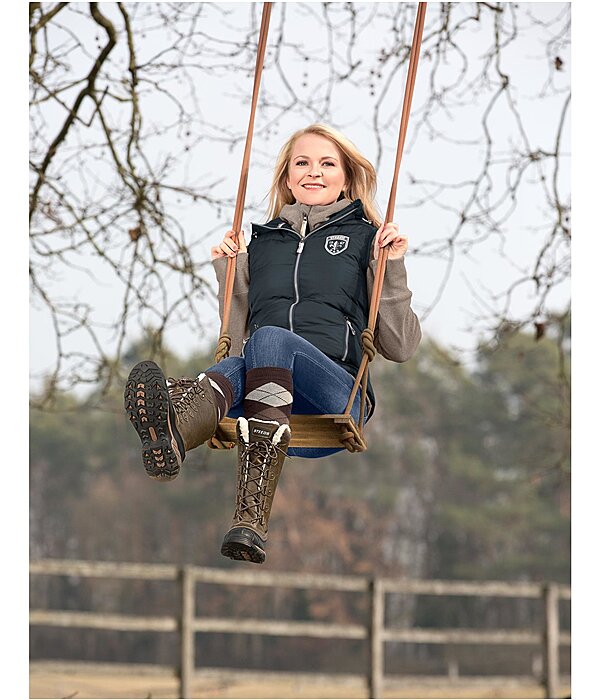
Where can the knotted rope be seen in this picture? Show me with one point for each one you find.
(368, 343)
(215, 444)
(349, 441)
(223, 347)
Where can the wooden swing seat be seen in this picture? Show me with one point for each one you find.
(307, 431)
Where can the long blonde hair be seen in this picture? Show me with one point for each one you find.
(361, 179)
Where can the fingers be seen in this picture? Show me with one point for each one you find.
(229, 247)
(390, 233)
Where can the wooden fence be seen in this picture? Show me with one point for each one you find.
(375, 632)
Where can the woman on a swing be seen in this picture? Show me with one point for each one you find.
(301, 299)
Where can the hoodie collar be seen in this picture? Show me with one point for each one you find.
(317, 214)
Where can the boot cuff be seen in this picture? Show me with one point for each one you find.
(282, 430)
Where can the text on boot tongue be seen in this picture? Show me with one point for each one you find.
(258, 431)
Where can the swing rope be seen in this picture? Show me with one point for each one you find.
(368, 335)
(224, 344)
(347, 438)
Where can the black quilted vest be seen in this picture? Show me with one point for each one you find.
(316, 286)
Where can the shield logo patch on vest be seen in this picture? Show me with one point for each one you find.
(335, 245)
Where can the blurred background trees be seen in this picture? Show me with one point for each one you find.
(466, 477)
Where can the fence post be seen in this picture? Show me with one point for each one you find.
(186, 669)
(453, 669)
(377, 600)
(551, 641)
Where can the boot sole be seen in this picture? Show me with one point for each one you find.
(153, 418)
(243, 549)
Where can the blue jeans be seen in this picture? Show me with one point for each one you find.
(320, 385)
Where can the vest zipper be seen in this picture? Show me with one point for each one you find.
(304, 225)
(299, 250)
(349, 330)
(303, 235)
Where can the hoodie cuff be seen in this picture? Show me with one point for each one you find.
(242, 276)
(395, 278)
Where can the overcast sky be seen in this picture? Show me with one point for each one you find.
(447, 315)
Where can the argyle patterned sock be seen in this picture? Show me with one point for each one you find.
(269, 394)
(223, 392)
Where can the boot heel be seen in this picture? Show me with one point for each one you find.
(243, 544)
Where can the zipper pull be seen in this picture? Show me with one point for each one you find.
(304, 225)
(300, 246)
(350, 327)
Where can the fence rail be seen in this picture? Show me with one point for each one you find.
(188, 623)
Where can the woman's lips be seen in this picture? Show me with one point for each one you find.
(313, 187)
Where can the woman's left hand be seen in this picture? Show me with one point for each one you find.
(390, 234)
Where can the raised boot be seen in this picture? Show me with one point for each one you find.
(262, 449)
(170, 417)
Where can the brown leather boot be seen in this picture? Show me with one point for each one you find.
(262, 449)
(169, 417)
(196, 414)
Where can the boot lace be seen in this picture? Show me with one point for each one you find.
(184, 393)
(255, 482)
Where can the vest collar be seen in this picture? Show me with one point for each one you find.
(293, 214)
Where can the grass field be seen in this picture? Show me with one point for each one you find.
(45, 683)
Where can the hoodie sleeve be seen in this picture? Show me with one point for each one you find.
(238, 317)
(397, 330)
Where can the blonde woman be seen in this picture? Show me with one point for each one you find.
(301, 300)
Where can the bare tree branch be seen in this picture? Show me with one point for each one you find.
(127, 191)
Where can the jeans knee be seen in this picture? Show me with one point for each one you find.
(267, 341)
(264, 332)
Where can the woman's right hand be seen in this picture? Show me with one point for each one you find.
(227, 247)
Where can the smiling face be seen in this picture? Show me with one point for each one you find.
(315, 171)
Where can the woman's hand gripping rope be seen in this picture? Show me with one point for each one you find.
(228, 246)
(390, 233)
